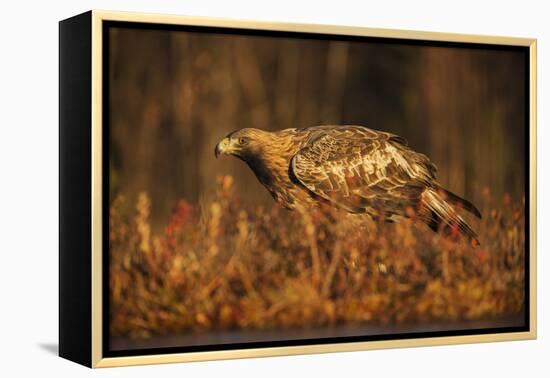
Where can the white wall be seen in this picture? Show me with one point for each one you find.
(28, 171)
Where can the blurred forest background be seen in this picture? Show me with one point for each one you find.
(175, 94)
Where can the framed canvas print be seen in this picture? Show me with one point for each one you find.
(235, 189)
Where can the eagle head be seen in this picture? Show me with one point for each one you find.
(242, 143)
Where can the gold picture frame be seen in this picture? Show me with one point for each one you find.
(89, 329)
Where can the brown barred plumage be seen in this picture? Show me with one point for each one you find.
(353, 167)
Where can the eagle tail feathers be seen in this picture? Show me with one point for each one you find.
(465, 204)
(439, 215)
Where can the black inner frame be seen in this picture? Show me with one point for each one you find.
(106, 25)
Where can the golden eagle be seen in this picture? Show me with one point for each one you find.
(352, 167)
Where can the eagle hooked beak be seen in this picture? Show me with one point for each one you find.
(226, 147)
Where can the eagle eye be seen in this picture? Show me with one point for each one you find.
(242, 140)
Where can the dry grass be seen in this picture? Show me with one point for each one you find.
(220, 265)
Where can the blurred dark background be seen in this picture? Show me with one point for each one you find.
(175, 94)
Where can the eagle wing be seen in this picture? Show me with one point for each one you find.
(362, 170)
